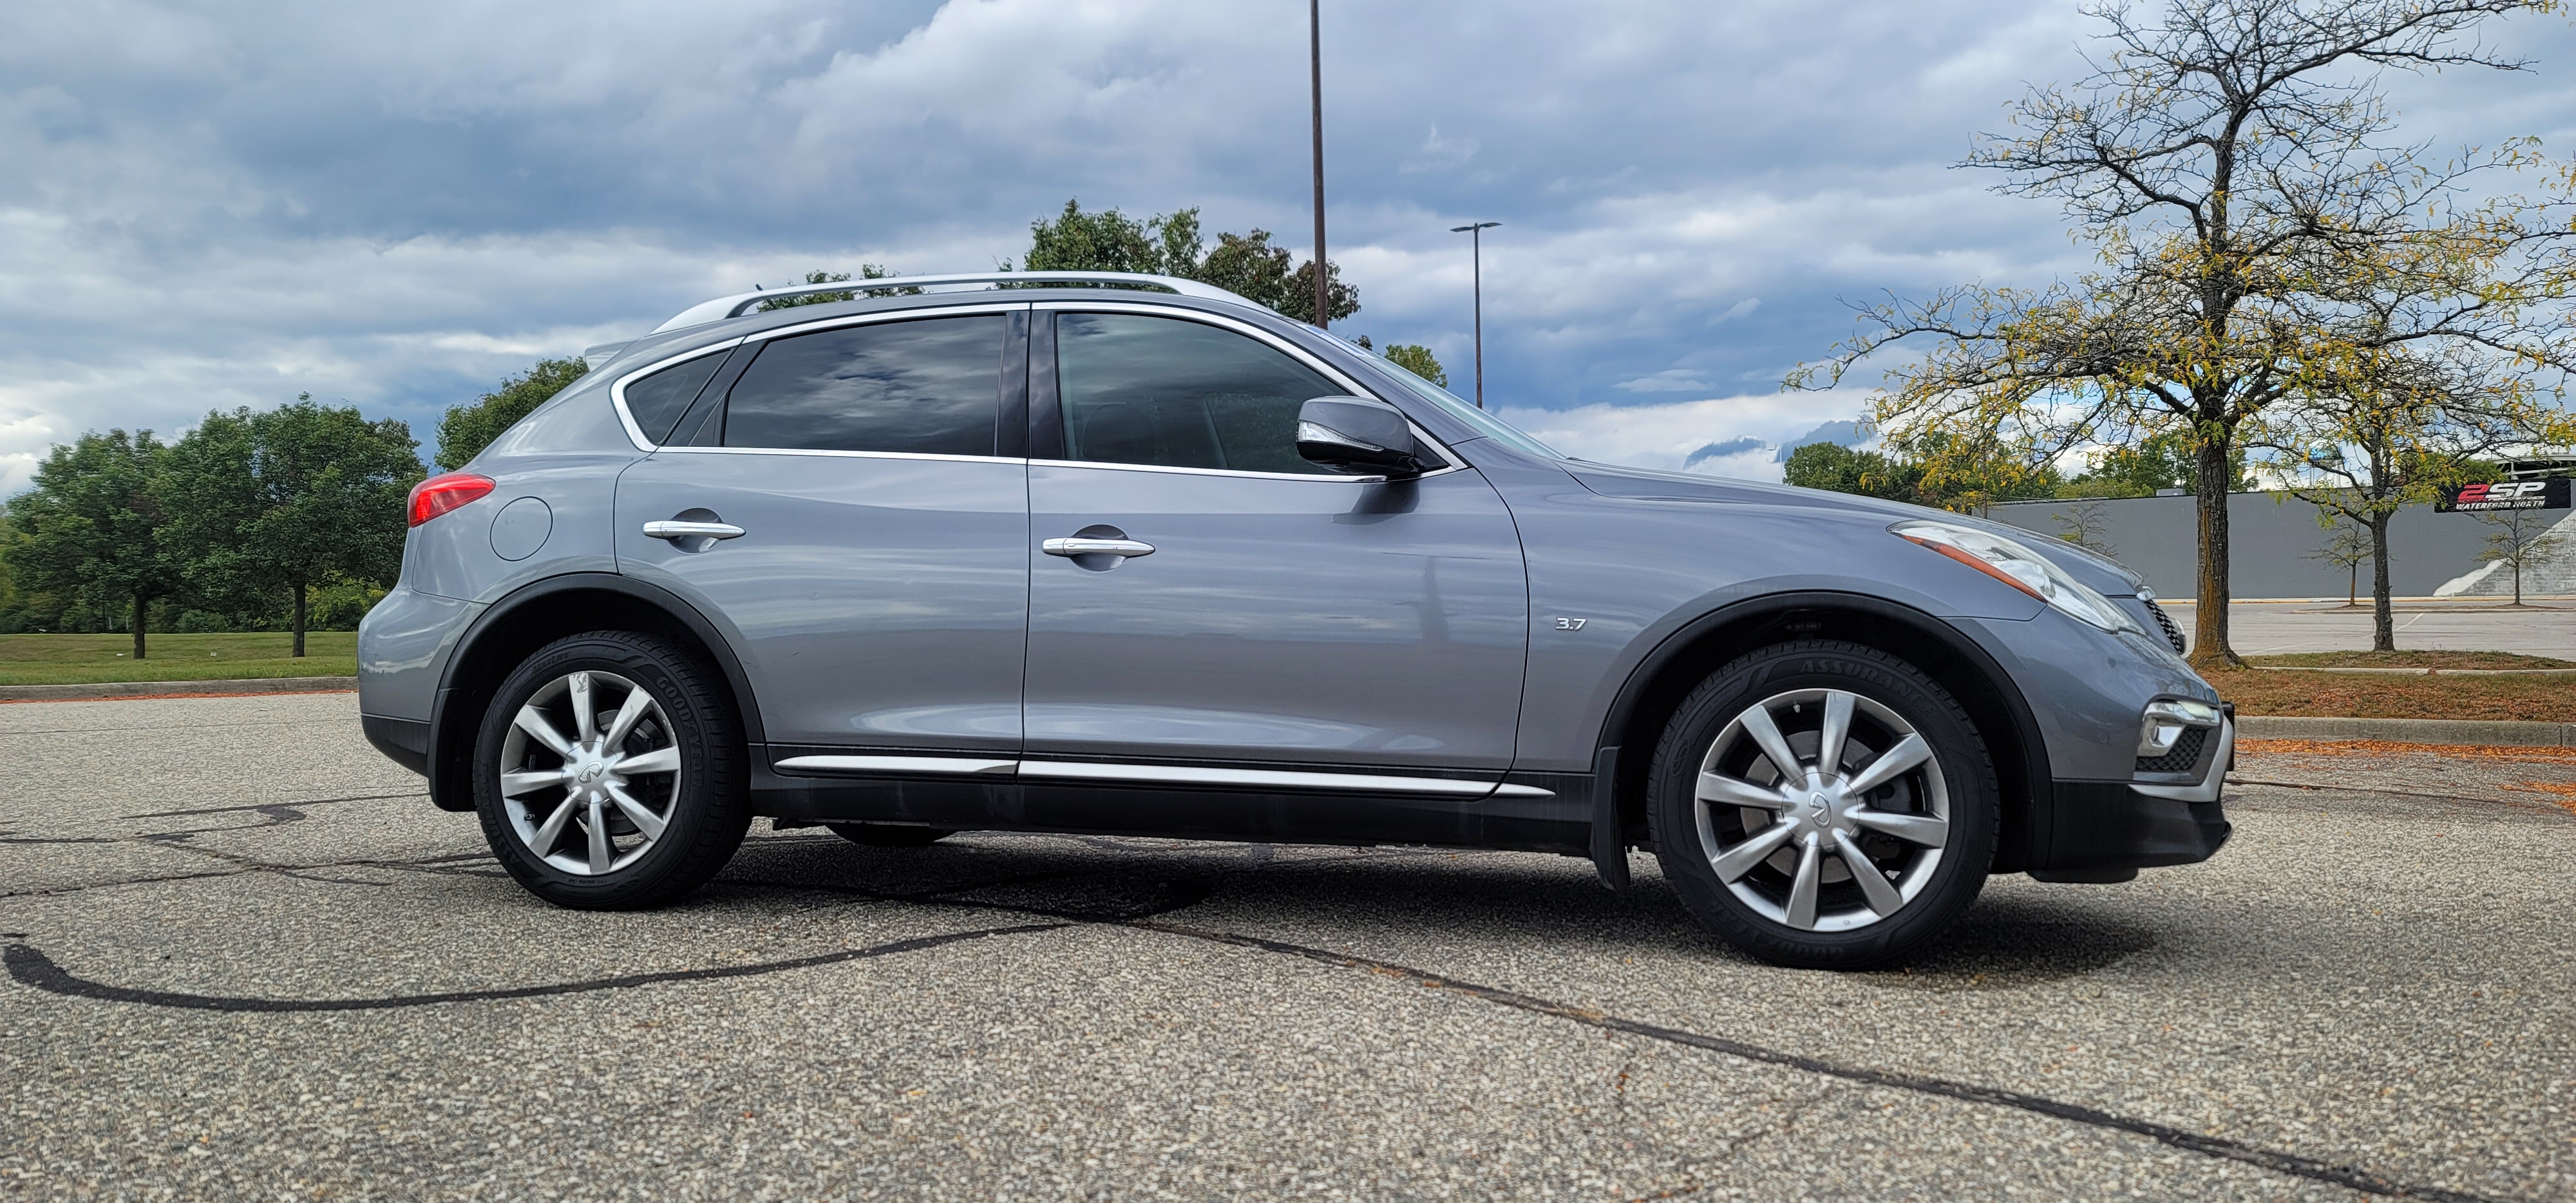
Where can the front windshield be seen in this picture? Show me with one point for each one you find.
(1454, 405)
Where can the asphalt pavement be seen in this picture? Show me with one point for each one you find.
(2485, 624)
(246, 959)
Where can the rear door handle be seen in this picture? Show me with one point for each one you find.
(1079, 546)
(673, 529)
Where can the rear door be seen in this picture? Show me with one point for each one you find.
(878, 590)
(1286, 615)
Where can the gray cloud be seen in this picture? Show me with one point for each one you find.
(398, 205)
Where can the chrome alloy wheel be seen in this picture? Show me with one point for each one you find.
(1822, 810)
(592, 802)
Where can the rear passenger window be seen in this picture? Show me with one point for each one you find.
(658, 400)
(928, 387)
(1153, 390)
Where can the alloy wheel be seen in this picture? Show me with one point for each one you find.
(1822, 810)
(589, 772)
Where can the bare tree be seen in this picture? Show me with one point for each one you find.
(2082, 524)
(2347, 546)
(2521, 538)
(2230, 162)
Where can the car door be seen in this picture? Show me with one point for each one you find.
(877, 589)
(1285, 614)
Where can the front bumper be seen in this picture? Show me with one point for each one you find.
(2101, 831)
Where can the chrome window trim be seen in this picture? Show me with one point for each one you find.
(898, 764)
(617, 391)
(1349, 386)
(816, 451)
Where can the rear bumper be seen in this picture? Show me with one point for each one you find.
(2108, 830)
(405, 740)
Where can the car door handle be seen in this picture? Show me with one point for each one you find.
(669, 529)
(1079, 546)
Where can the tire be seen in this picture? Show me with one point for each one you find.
(681, 763)
(1758, 867)
(890, 835)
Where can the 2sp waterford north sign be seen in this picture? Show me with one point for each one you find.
(2550, 494)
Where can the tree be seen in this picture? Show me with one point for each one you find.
(1844, 470)
(2347, 545)
(2162, 460)
(93, 525)
(2082, 524)
(467, 429)
(2229, 166)
(1417, 359)
(1170, 245)
(867, 271)
(2522, 538)
(277, 502)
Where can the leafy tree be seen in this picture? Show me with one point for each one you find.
(1170, 245)
(1844, 470)
(867, 271)
(467, 429)
(93, 527)
(1417, 359)
(2229, 163)
(274, 503)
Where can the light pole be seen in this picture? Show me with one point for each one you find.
(1476, 236)
(1315, 62)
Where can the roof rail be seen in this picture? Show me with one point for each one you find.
(736, 305)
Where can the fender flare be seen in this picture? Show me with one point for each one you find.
(2037, 782)
(727, 661)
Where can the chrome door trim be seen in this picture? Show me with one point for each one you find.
(1167, 774)
(1318, 477)
(898, 764)
(818, 451)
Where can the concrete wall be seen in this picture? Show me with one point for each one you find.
(2271, 537)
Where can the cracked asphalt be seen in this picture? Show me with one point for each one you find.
(245, 958)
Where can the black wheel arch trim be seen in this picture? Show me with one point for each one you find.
(439, 753)
(2037, 785)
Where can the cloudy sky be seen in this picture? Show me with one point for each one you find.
(211, 205)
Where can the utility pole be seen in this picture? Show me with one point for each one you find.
(1476, 237)
(1323, 272)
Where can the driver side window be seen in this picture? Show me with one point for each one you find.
(1137, 389)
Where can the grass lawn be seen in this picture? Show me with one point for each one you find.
(78, 659)
(2545, 698)
(2418, 659)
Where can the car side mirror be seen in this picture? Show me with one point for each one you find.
(1357, 434)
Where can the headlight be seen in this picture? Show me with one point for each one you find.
(2019, 567)
(2165, 721)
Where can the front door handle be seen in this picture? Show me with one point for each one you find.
(673, 529)
(1081, 546)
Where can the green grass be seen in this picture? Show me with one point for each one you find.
(2407, 659)
(80, 659)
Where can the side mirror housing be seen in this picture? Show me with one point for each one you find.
(1356, 434)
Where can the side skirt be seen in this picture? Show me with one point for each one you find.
(1554, 814)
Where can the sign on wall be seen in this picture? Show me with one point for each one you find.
(2550, 494)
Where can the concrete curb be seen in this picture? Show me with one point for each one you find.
(174, 689)
(2418, 672)
(2410, 730)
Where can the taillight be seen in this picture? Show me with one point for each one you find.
(439, 494)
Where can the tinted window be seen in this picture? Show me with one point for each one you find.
(930, 387)
(658, 400)
(1152, 390)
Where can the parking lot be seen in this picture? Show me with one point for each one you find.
(247, 959)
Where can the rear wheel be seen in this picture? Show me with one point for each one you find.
(890, 835)
(608, 773)
(1823, 805)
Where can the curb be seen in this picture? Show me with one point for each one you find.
(174, 689)
(2409, 731)
(2416, 672)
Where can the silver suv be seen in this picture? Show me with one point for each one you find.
(1127, 554)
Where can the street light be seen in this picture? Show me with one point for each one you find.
(1476, 235)
(1315, 62)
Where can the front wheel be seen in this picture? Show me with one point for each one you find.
(1823, 805)
(609, 773)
